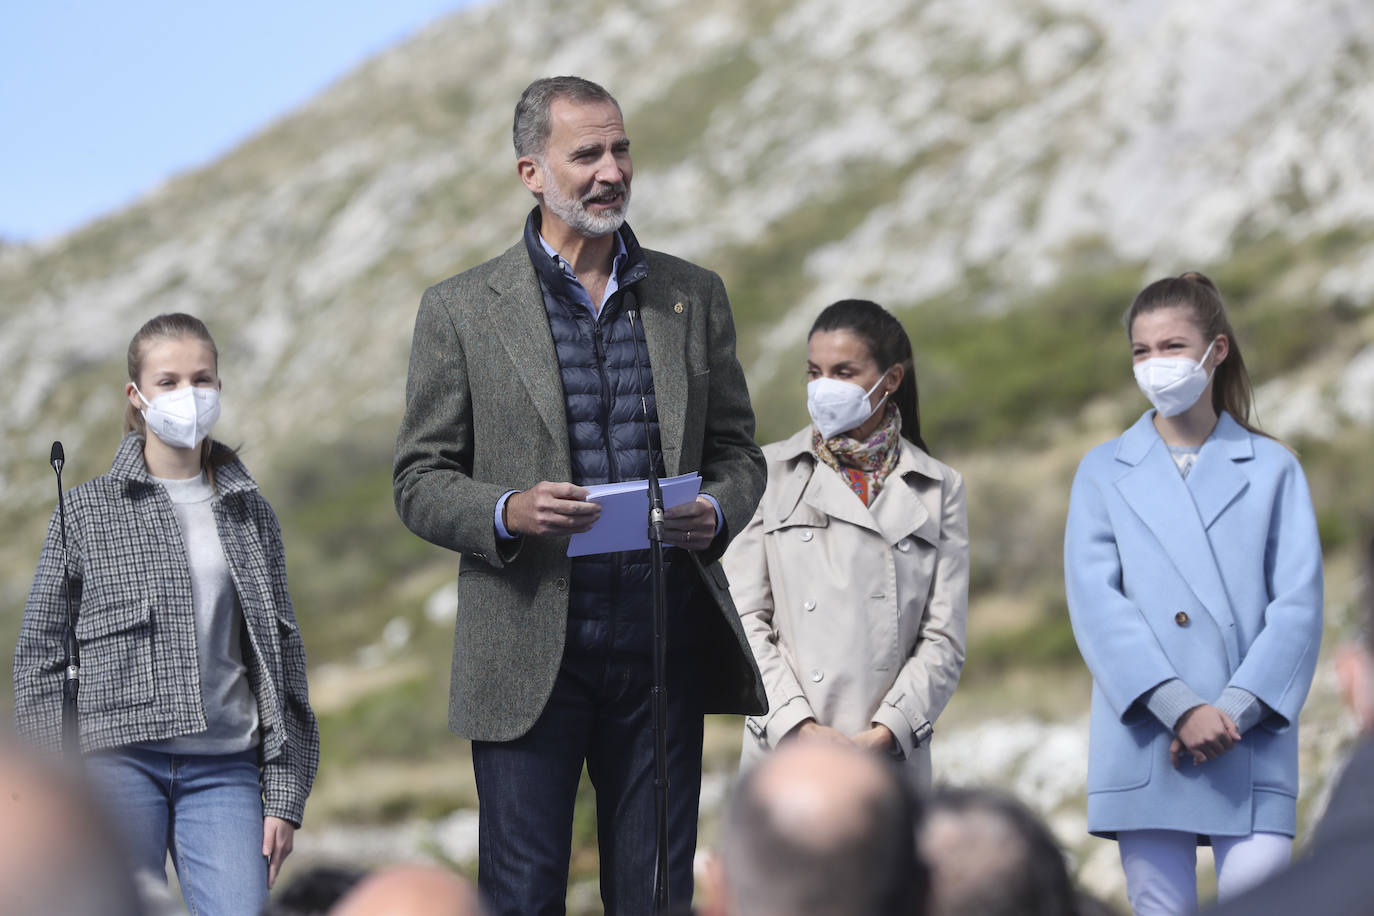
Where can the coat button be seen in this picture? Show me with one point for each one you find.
(807, 535)
(904, 545)
(561, 584)
(809, 604)
(1181, 618)
(817, 675)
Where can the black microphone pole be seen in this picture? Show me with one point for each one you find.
(71, 683)
(659, 595)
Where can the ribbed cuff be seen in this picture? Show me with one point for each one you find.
(1244, 708)
(1169, 700)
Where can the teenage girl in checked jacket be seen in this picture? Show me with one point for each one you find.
(193, 707)
(1194, 579)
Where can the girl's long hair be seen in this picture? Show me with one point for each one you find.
(1231, 389)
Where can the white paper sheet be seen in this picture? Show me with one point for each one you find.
(624, 520)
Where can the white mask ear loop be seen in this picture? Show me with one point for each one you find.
(1206, 353)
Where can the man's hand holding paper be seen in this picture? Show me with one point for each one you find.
(624, 520)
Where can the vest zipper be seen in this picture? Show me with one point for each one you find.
(612, 466)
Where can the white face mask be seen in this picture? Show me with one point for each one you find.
(837, 406)
(1173, 383)
(182, 418)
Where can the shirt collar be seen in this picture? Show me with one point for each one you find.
(566, 268)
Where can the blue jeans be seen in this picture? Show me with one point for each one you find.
(207, 810)
(600, 712)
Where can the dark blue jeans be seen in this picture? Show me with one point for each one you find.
(600, 712)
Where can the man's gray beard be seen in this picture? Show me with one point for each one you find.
(579, 219)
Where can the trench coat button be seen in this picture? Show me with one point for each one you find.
(561, 584)
(817, 675)
(809, 604)
(1181, 618)
(807, 535)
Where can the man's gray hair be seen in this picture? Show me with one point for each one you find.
(532, 123)
(871, 869)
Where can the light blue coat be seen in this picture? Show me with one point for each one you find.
(1216, 579)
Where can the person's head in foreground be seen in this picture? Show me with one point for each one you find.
(989, 855)
(1355, 660)
(818, 829)
(57, 854)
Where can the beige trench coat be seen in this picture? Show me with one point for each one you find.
(855, 613)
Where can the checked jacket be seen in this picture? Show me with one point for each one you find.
(127, 572)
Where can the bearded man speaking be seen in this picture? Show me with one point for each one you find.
(528, 383)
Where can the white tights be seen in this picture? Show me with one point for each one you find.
(1161, 867)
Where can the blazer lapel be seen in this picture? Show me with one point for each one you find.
(516, 317)
(665, 312)
(1156, 492)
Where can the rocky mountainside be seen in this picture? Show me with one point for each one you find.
(1006, 173)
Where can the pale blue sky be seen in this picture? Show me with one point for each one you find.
(99, 101)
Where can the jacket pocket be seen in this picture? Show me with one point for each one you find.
(1120, 756)
(116, 655)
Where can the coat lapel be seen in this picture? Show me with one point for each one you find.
(899, 510)
(1156, 492)
(1216, 480)
(827, 493)
(665, 312)
(515, 315)
(789, 487)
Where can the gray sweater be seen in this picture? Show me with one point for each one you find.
(230, 709)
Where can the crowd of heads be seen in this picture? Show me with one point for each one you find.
(820, 829)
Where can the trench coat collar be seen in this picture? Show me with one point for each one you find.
(895, 516)
(1179, 512)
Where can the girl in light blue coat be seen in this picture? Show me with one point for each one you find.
(1194, 581)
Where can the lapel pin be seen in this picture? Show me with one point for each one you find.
(677, 307)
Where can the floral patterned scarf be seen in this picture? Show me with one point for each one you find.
(864, 465)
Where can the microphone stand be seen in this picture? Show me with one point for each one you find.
(71, 683)
(659, 599)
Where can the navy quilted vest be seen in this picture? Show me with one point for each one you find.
(608, 606)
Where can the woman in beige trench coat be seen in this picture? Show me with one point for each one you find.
(852, 576)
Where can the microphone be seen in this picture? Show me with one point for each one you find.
(659, 603)
(655, 491)
(71, 684)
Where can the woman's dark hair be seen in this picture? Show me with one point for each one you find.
(1231, 389)
(887, 343)
(173, 325)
